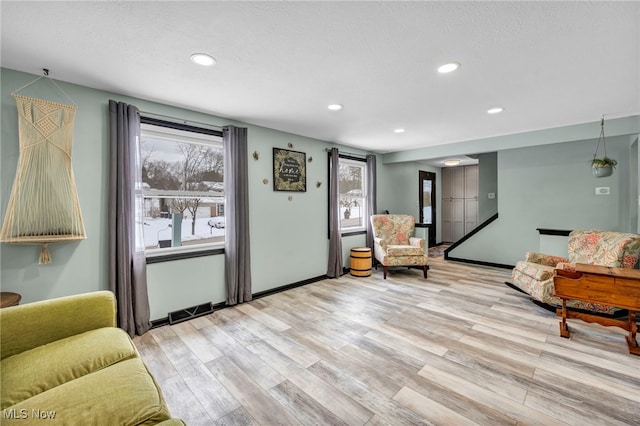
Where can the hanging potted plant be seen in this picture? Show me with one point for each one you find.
(602, 167)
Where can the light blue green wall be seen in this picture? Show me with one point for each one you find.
(487, 183)
(634, 186)
(544, 186)
(398, 190)
(288, 238)
(551, 186)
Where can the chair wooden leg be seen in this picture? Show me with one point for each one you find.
(424, 268)
(384, 269)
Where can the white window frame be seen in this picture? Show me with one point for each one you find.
(178, 135)
(360, 163)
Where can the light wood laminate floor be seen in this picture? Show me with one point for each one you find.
(457, 348)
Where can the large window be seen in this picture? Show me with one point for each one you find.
(353, 194)
(182, 185)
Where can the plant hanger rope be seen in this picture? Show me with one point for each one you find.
(601, 138)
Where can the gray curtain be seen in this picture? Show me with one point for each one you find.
(237, 259)
(127, 262)
(334, 268)
(372, 206)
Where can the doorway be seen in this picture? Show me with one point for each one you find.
(427, 203)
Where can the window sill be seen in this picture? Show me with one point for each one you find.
(355, 231)
(184, 252)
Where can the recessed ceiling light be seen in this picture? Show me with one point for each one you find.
(497, 110)
(335, 107)
(450, 67)
(398, 131)
(453, 162)
(203, 59)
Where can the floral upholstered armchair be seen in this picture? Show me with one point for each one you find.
(534, 275)
(394, 244)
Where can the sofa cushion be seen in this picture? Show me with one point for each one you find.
(34, 324)
(607, 248)
(543, 259)
(45, 367)
(121, 394)
(404, 250)
(534, 270)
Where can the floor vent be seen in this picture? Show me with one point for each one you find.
(159, 322)
(190, 313)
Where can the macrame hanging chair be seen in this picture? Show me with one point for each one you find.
(43, 206)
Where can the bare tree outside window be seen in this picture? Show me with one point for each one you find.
(182, 174)
(352, 193)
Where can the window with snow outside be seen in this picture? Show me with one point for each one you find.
(182, 187)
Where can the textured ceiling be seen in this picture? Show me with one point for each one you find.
(280, 64)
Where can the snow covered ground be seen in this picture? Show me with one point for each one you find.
(158, 229)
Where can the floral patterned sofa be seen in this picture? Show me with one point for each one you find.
(534, 275)
(394, 244)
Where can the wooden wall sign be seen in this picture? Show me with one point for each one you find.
(289, 170)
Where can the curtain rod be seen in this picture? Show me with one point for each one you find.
(182, 120)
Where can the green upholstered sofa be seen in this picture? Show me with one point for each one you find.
(64, 360)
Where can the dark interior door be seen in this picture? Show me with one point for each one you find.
(427, 197)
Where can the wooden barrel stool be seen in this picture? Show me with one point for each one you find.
(360, 261)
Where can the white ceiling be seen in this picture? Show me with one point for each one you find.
(279, 64)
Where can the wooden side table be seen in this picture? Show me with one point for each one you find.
(9, 299)
(601, 284)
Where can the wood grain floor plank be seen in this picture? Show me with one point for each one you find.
(469, 408)
(331, 398)
(598, 374)
(593, 400)
(211, 393)
(414, 347)
(429, 409)
(200, 322)
(306, 409)
(548, 403)
(390, 373)
(155, 359)
(627, 364)
(178, 353)
(495, 380)
(585, 378)
(231, 321)
(182, 402)
(531, 317)
(258, 315)
(196, 342)
(239, 417)
(379, 421)
(417, 320)
(386, 410)
(253, 398)
(459, 347)
(283, 343)
(246, 360)
(508, 348)
(517, 412)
